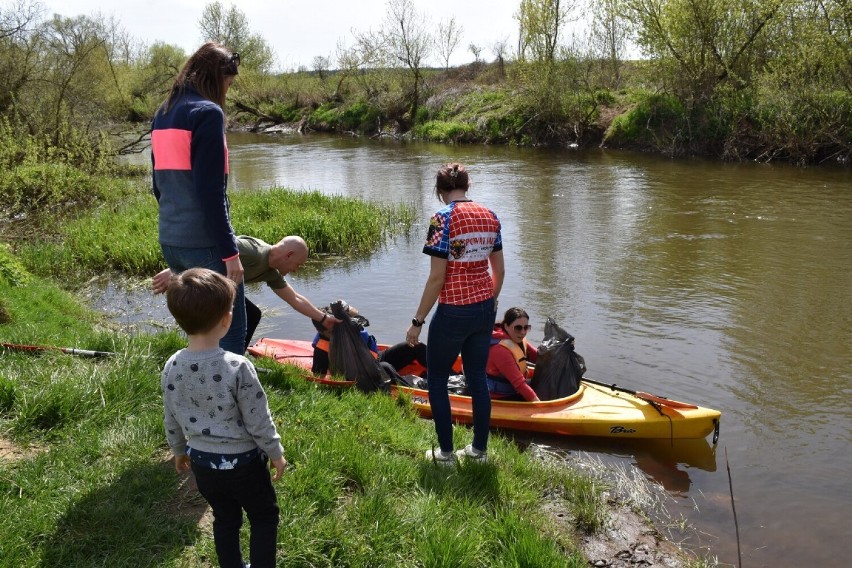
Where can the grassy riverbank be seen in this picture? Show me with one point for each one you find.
(90, 481)
(91, 484)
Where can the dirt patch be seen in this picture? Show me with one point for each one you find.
(606, 114)
(12, 452)
(188, 502)
(629, 540)
(628, 537)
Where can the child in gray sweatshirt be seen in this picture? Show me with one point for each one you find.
(218, 422)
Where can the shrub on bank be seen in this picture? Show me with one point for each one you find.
(805, 126)
(43, 188)
(12, 272)
(358, 116)
(68, 145)
(655, 120)
(41, 176)
(738, 124)
(447, 132)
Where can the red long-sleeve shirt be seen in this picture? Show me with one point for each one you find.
(501, 363)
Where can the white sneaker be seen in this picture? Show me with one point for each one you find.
(441, 458)
(471, 453)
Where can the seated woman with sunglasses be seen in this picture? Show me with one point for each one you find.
(508, 376)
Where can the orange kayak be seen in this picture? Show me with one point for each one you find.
(596, 409)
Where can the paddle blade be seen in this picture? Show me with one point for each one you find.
(664, 401)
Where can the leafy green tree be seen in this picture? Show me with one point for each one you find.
(540, 24)
(609, 35)
(76, 76)
(151, 78)
(18, 50)
(230, 27)
(699, 44)
(57, 96)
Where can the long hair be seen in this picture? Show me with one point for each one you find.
(204, 71)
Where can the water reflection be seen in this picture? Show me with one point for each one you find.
(666, 462)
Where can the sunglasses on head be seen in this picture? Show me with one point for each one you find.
(519, 328)
(232, 64)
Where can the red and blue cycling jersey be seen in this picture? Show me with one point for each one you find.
(464, 233)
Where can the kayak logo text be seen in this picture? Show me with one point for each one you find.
(621, 430)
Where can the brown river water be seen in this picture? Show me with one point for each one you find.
(723, 285)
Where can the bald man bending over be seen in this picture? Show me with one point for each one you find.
(268, 263)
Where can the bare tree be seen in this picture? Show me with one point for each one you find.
(352, 61)
(447, 40)
(320, 65)
(476, 51)
(19, 17)
(500, 49)
(405, 39)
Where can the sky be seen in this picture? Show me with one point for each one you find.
(300, 30)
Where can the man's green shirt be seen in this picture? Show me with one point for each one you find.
(254, 256)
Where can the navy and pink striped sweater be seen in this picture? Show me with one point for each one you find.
(190, 158)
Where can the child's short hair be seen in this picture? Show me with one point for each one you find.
(199, 298)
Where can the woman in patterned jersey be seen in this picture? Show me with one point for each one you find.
(463, 241)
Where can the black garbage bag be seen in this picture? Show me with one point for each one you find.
(559, 368)
(350, 357)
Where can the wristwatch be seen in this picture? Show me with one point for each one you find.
(417, 323)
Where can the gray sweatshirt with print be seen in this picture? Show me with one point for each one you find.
(213, 402)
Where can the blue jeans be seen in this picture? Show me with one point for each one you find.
(181, 258)
(229, 492)
(454, 330)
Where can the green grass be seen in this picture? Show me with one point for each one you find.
(121, 235)
(441, 131)
(95, 487)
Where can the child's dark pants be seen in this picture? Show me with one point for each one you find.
(229, 492)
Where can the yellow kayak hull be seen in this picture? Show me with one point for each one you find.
(595, 410)
(591, 411)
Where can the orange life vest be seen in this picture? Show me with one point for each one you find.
(520, 354)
